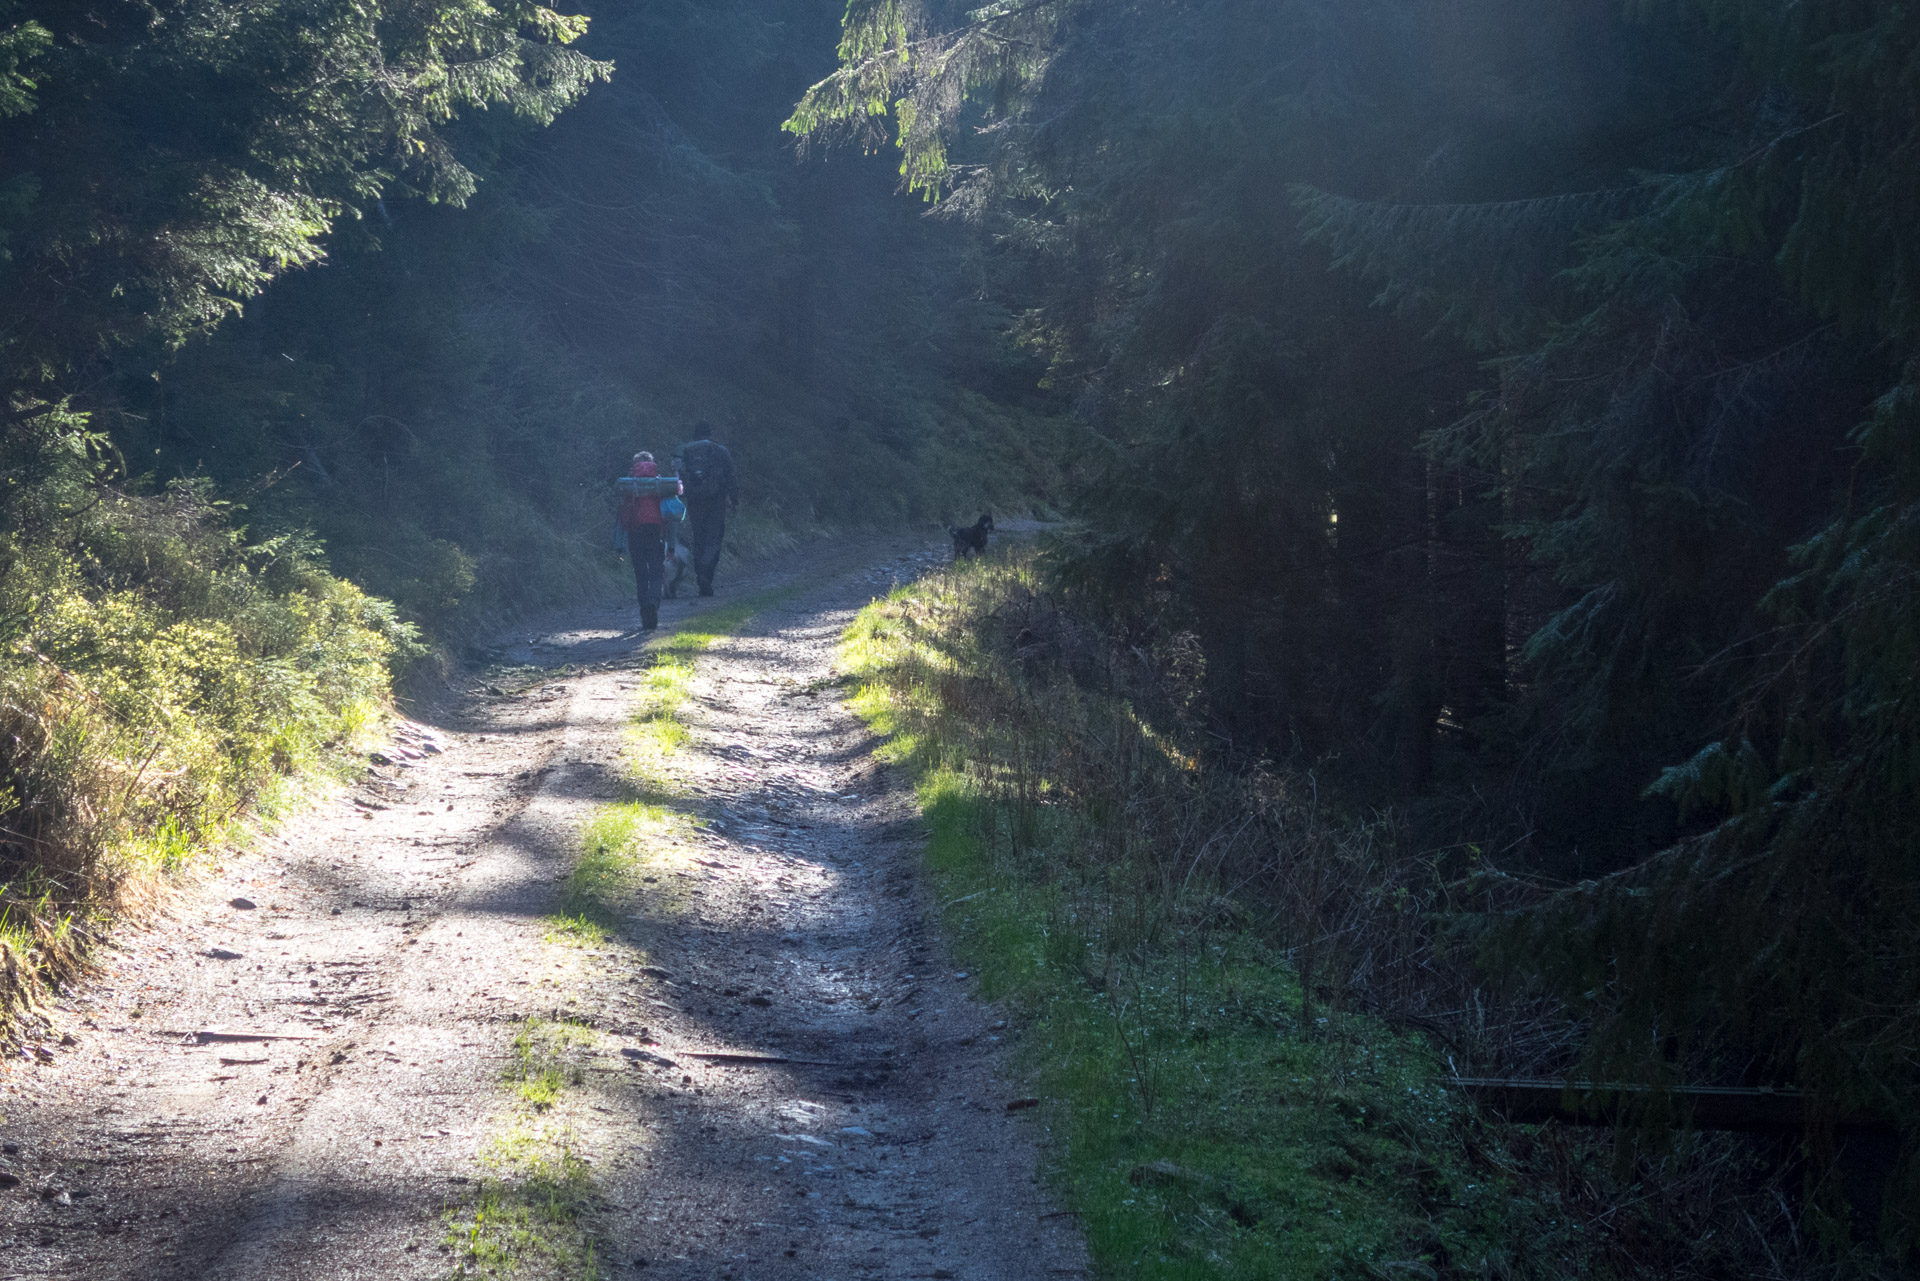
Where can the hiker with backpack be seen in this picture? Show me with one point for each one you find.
(706, 477)
(641, 492)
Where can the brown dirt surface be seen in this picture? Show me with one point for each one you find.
(397, 938)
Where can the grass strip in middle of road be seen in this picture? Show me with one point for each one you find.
(610, 841)
(534, 1202)
(534, 1199)
(657, 729)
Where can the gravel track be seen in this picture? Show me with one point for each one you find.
(399, 937)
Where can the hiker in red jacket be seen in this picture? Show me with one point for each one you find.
(646, 529)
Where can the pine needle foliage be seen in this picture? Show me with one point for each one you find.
(910, 71)
(166, 161)
(1516, 404)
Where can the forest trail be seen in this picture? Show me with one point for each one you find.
(401, 939)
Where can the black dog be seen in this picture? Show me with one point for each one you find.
(972, 540)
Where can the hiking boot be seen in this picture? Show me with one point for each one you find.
(706, 589)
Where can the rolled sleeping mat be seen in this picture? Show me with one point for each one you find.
(647, 486)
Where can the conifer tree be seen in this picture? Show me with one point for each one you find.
(164, 162)
(1590, 530)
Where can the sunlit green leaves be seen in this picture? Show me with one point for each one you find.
(896, 58)
(20, 44)
(175, 160)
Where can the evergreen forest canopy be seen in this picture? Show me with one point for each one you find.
(1507, 412)
(1517, 406)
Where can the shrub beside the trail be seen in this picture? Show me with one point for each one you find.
(159, 675)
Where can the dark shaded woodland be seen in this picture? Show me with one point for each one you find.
(500, 300)
(1514, 405)
(1505, 413)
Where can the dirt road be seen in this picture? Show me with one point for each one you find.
(369, 1048)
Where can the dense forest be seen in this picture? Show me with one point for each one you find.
(1513, 404)
(1503, 415)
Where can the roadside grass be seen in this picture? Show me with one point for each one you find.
(1210, 1120)
(535, 1200)
(1202, 1129)
(162, 676)
(49, 933)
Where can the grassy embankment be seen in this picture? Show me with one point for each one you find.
(534, 1202)
(162, 678)
(1213, 1116)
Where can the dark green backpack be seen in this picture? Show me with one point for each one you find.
(704, 469)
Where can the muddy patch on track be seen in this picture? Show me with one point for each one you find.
(373, 1045)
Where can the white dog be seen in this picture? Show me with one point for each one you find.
(678, 564)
